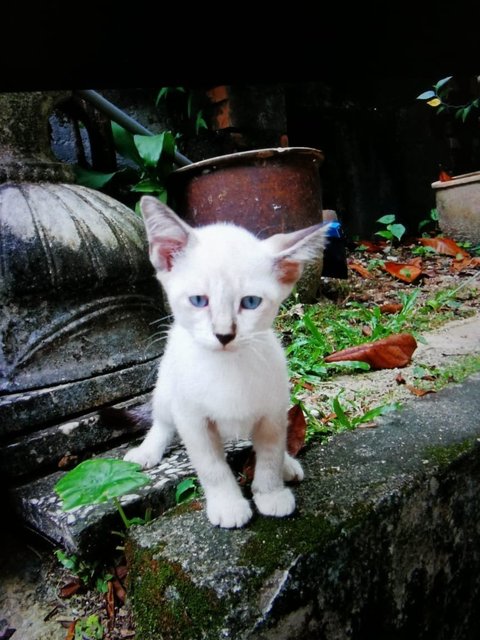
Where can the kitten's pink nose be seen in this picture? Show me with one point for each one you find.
(225, 338)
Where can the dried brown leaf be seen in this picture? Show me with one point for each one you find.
(419, 392)
(71, 588)
(297, 428)
(406, 271)
(391, 307)
(359, 268)
(466, 263)
(445, 246)
(71, 631)
(388, 353)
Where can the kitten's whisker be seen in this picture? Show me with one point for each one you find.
(168, 317)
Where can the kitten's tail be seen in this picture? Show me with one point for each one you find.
(129, 418)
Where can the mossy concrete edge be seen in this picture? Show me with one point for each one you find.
(384, 543)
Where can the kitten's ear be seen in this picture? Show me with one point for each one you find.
(293, 250)
(168, 235)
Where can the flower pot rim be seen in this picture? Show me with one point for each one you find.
(464, 178)
(255, 154)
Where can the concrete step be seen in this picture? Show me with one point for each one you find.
(87, 531)
(385, 543)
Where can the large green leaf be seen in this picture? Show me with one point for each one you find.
(388, 219)
(125, 144)
(99, 480)
(91, 178)
(150, 148)
(397, 229)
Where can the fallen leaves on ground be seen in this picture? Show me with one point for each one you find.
(391, 308)
(464, 264)
(71, 588)
(388, 353)
(71, 631)
(445, 246)
(359, 268)
(406, 271)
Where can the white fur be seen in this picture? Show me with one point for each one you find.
(212, 392)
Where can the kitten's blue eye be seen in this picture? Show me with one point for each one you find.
(199, 301)
(250, 302)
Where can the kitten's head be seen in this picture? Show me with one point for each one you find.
(223, 284)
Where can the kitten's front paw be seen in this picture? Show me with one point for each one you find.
(278, 503)
(146, 457)
(229, 513)
(292, 470)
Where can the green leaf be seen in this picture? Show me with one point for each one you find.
(397, 230)
(310, 325)
(388, 219)
(350, 365)
(200, 122)
(99, 480)
(148, 185)
(186, 490)
(465, 112)
(340, 413)
(91, 178)
(162, 94)
(152, 148)
(434, 215)
(149, 148)
(441, 82)
(384, 234)
(426, 95)
(125, 144)
(368, 416)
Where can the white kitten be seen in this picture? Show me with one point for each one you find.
(223, 374)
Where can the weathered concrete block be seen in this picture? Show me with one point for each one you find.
(385, 543)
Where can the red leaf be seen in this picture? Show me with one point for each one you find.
(121, 571)
(466, 263)
(391, 307)
(419, 392)
(70, 589)
(389, 353)
(297, 428)
(443, 176)
(110, 601)
(120, 593)
(372, 247)
(359, 268)
(408, 272)
(445, 246)
(71, 631)
(248, 470)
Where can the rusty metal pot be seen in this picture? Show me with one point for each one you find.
(267, 191)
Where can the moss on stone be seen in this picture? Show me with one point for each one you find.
(167, 604)
(444, 455)
(276, 540)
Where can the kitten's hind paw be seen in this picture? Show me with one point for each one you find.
(278, 503)
(229, 514)
(146, 457)
(292, 470)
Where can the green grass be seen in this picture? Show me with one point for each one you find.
(311, 332)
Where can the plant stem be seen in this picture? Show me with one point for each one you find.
(126, 521)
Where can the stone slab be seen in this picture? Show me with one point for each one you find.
(385, 543)
(87, 531)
